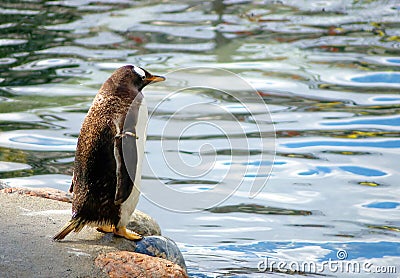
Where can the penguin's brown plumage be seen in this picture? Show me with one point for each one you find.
(101, 182)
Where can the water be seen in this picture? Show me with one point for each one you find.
(328, 70)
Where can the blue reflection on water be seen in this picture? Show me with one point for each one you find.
(384, 121)
(324, 169)
(394, 60)
(309, 173)
(386, 99)
(355, 250)
(258, 163)
(389, 77)
(363, 171)
(383, 205)
(317, 170)
(256, 175)
(264, 162)
(387, 144)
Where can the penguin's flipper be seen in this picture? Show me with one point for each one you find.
(71, 188)
(125, 154)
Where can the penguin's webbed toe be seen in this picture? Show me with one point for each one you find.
(106, 229)
(126, 233)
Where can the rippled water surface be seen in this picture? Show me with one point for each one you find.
(328, 71)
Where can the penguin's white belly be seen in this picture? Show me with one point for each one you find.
(128, 207)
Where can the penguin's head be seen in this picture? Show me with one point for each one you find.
(128, 80)
(142, 77)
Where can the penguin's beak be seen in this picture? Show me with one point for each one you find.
(154, 79)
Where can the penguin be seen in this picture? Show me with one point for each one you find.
(108, 158)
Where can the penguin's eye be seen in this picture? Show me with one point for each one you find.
(139, 72)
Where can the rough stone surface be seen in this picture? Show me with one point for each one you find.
(161, 247)
(27, 227)
(140, 222)
(27, 249)
(48, 193)
(130, 264)
(143, 224)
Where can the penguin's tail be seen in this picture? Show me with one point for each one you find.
(73, 225)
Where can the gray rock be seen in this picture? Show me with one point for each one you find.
(161, 247)
(27, 250)
(143, 224)
(29, 223)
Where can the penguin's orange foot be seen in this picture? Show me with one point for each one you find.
(128, 234)
(105, 229)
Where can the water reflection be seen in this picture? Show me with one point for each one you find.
(87, 53)
(385, 121)
(257, 209)
(60, 182)
(291, 252)
(388, 144)
(383, 205)
(47, 63)
(362, 171)
(376, 79)
(12, 166)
